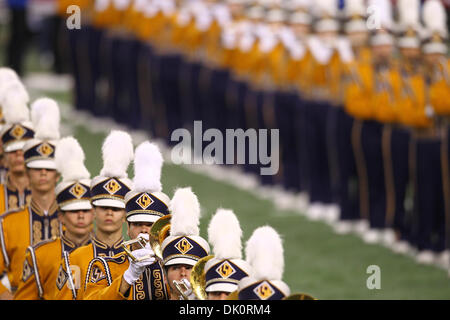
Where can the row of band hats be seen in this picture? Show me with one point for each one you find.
(375, 16)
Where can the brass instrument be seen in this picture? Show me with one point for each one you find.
(294, 296)
(127, 247)
(198, 281)
(158, 232)
(182, 288)
(299, 296)
(233, 296)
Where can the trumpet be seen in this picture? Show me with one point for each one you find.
(182, 288)
(127, 245)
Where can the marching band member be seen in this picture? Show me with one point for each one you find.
(265, 279)
(38, 221)
(437, 66)
(427, 141)
(317, 94)
(380, 109)
(107, 195)
(226, 268)
(123, 278)
(7, 76)
(183, 247)
(397, 135)
(15, 192)
(353, 82)
(40, 269)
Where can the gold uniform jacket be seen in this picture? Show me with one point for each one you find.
(439, 89)
(104, 277)
(70, 288)
(11, 198)
(40, 269)
(18, 230)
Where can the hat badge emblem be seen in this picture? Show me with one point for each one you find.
(45, 149)
(225, 270)
(77, 190)
(144, 201)
(183, 245)
(17, 132)
(264, 290)
(112, 186)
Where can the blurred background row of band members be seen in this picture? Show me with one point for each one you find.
(360, 91)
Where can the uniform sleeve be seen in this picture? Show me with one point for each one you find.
(3, 257)
(28, 284)
(99, 285)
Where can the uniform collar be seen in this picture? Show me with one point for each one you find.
(70, 245)
(104, 246)
(36, 209)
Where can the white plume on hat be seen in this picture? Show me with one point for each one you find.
(117, 153)
(408, 12)
(264, 252)
(14, 103)
(325, 8)
(434, 17)
(383, 11)
(69, 160)
(46, 119)
(355, 7)
(185, 210)
(148, 162)
(224, 233)
(7, 75)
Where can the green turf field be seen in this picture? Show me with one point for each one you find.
(317, 261)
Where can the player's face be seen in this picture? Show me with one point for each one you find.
(410, 53)
(300, 30)
(433, 58)
(109, 219)
(78, 222)
(218, 295)
(135, 228)
(42, 180)
(358, 39)
(178, 272)
(15, 161)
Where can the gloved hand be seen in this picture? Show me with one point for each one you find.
(134, 271)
